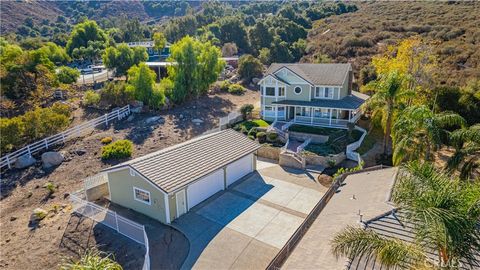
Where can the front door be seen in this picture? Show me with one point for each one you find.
(181, 203)
(291, 112)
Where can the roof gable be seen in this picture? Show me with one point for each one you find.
(315, 74)
(177, 166)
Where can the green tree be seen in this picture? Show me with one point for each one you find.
(259, 35)
(67, 75)
(385, 102)
(233, 30)
(418, 131)
(55, 53)
(249, 67)
(86, 41)
(444, 212)
(142, 84)
(122, 58)
(198, 66)
(160, 41)
(466, 158)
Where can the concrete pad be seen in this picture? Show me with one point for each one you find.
(256, 255)
(254, 186)
(253, 220)
(265, 163)
(194, 225)
(282, 193)
(224, 208)
(305, 200)
(228, 244)
(279, 230)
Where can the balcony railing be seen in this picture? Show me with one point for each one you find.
(320, 121)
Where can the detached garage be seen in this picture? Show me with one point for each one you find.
(166, 184)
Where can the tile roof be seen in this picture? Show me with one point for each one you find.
(395, 225)
(316, 74)
(177, 166)
(351, 102)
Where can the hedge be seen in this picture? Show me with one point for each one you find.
(117, 150)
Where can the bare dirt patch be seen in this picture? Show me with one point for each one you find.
(22, 190)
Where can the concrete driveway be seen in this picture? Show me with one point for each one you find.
(246, 225)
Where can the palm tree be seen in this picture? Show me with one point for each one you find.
(389, 93)
(445, 212)
(418, 131)
(467, 150)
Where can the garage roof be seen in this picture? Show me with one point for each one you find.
(177, 166)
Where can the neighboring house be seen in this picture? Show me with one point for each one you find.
(149, 46)
(166, 184)
(310, 94)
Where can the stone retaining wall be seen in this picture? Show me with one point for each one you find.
(323, 160)
(269, 152)
(304, 136)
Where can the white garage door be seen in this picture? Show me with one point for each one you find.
(204, 188)
(239, 169)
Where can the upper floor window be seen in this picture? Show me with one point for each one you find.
(328, 92)
(269, 91)
(318, 91)
(298, 90)
(281, 91)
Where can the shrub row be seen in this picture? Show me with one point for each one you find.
(33, 125)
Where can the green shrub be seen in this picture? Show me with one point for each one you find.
(67, 75)
(116, 94)
(158, 98)
(94, 260)
(251, 137)
(167, 86)
(61, 108)
(118, 149)
(91, 98)
(253, 132)
(236, 89)
(106, 140)
(331, 162)
(12, 130)
(348, 170)
(272, 136)
(43, 122)
(246, 110)
(50, 187)
(262, 137)
(224, 86)
(244, 130)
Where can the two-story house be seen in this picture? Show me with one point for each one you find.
(310, 94)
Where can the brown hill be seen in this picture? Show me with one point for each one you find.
(14, 13)
(357, 36)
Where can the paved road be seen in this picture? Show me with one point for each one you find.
(99, 77)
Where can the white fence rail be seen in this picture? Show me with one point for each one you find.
(9, 159)
(223, 122)
(111, 219)
(350, 151)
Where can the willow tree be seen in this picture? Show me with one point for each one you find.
(197, 66)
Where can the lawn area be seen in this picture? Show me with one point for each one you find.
(367, 143)
(249, 124)
(321, 149)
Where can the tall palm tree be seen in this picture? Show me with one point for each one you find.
(445, 213)
(389, 94)
(467, 150)
(418, 131)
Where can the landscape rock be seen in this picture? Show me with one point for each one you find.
(136, 106)
(154, 119)
(51, 159)
(13, 218)
(24, 162)
(130, 118)
(80, 152)
(255, 80)
(197, 121)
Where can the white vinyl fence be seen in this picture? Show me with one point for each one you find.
(111, 219)
(9, 159)
(350, 152)
(223, 122)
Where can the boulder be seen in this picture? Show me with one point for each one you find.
(80, 152)
(136, 106)
(255, 80)
(51, 159)
(154, 119)
(24, 162)
(197, 121)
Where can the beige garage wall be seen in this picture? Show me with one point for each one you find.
(121, 192)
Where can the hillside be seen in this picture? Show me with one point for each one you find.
(357, 36)
(14, 13)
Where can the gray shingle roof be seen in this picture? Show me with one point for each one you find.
(316, 74)
(177, 166)
(395, 225)
(351, 102)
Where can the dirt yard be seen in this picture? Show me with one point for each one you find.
(42, 246)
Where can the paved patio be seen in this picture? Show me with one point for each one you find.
(246, 225)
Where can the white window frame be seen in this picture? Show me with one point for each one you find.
(140, 200)
(265, 93)
(332, 89)
(270, 108)
(281, 87)
(320, 91)
(295, 92)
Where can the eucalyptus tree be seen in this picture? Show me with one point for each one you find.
(444, 212)
(418, 131)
